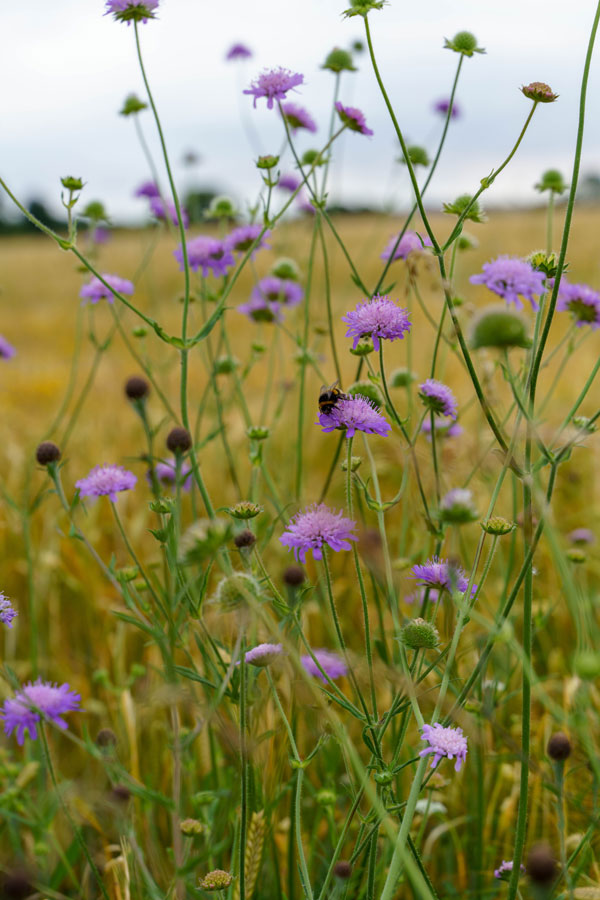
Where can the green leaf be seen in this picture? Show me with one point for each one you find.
(208, 326)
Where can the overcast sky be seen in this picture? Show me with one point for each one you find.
(65, 70)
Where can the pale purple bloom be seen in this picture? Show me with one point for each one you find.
(19, 713)
(449, 742)
(512, 278)
(7, 612)
(241, 239)
(582, 536)
(157, 208)
(147, 189)
(7, 351)
(297, 117)
(410, 242)
(263, 654)
(443, 428)
(165, 474)
(206, 253)
(303, 203)
(278, 290)
(504, 869)
(332, 664)
(580, 300)
(260, 310)
(377, 318)
(354, 414)
(318, 525)
(94, 290)
(289, 183)
(418, 596)
(106, 480)
(438, 397)
(442, 575)
(273, 84)
(101, 235)
(238, 51)
(353, 118)
(442, 107)
(124, 10)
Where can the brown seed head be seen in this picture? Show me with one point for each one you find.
(294, 576)
(47, 452)
(136, 387)
(343, 869)
(244, 538)
(559, 747)
(179, 440)
(106, 738)
(541, 865)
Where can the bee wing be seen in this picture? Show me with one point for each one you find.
(334, 385)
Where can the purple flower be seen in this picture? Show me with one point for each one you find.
(297, 117)
(165, 474)
(443, 428)
(419, 596)
(449, 742)
(94, 290)
(273, 84)
(106, 480)
(101, 235)
(504, 869)
(582, 536)
(318, 525)
(278, 290)
(263, 654)
(20, 712)
(332, 664)
(377, 318)
(410, 242)
(259, 310)
(511, 277)
(354, 414)
(131, 10)
(147, 189)
(580, 300)
(208, 254)
(157, 208)
(7, 612)
(442, 107)
(238, 51)
(438, 398)
(353, 118)
(241, 239)
(442, 575)
(288, 183)
(7, 351)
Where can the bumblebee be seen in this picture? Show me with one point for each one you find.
(329, 397)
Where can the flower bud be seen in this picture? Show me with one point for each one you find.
(217, 880)
(363, 348)
(539, 92)
(466, 241)
(541, 865)
(70, 183)
(457, 208)
(325, 797)
(355, 462)
(338, 61)
(47, 452)
(221, 208)
(236, 590)
(267, 162)
(544, 262)
(366, 389)
(559, 747)
(179, 440)
(294, 576)
(131, 105)
(192, 827)
(417, 155)
(95, 210)
(225, 365)
(463, 42)
(498, 526)
(587, 665)
(500, 327)
(285, 268)
(258, 432)
(551, 180)
(342, 869)
(245, 510)
(402, 377)
(576, 555)
(458, 507)
(106, 739)
(244, 539)
(312, 158)
(363, 7)
(137, 388)
(419, 635)
(139, 332)
(584, 424)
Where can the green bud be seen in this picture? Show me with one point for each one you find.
(363, 348)
(192, 827)
(457, 208)
(313, 158)
(225, 365)
(576, 555)
(498, 526)
(363, 7)
(217, 880)
(338, 61)
(236, 590)
(164, 506)
(286, 268)
(129, 573)
(466, 241)
(366, 389)
(544, 262)
(138, 670)
(457, 507)
(139, 332)
(498, 326)
(463, 42)
(587, 665)
(417, 155)
(401, 378)
(325, 797)
(258, 348)
(245, 510)
(203, 539)
(267, 162)
(355, 462)
(95, 210)
(258, 432)
(358, 46)
(551, 180)
(584, 424)
(419, 635)
(385, 777)
(132, 105)
(221, 208)
(70, 183)
(203, 798)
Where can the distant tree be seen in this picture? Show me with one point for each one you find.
(197, 202)
(589, 188)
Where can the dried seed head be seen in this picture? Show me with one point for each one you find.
(192, 827)
(120, 792)
(541, 865)
(179, 440)
(244, 538)
(217, 880)
(294, 576)
(343, 869)
(137, 388)
(106, 738)
(47, 452)
(559, 747)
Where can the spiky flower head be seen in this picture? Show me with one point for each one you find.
(504, 870)
(132, 105)
(355, 414)
(332, 664)
(442, 575)
(581, 301)
(419, 635)
(366, 389)
(582, 536)
(267, 162)
(363, 7)
(511, 278)
(238, 51)
(465, 202)
(7, 351)
(315, 526)
(379, 318)
(498, 526)
(217, 880)
(438, 398)
(449, 742)
(245, 510)
(192, 827)
(203, 539)
(237, 589)
(131, 10)
(22, 712)
(263, 654)
(463, 42)
(106, 481)
(353, 118)
(208, 254)
(442, 106)
(7, 611)
(458, 507)
(273, 84)
(241, 239)
(551, 180)
(95, 290)
(401, 247)
(498, 327)
(297, 117)
(539, 92)
(258, 432)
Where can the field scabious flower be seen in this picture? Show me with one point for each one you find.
(157, 208)
(147, 189)
(106, 480)
(238, 51)
(316, 526)
(438, 398)
(353, 118)
(20, 714)
(165, 473)
(504, 870)
(332, 664)
(442, 107)
(131, 10)
(297, 117)
(410, 242)
(95, 290)
(511, 278)
(7, 351)
(7, 612)
(241, 239)
(263, 654)
(354, 414)
(206, 253)
(288, 183)
(260, 310)
(273, 84)
(442, 575)
(378, 318)
(580, 300)
(278, 290)
(582, 536)
(449, 742)
(443, 428)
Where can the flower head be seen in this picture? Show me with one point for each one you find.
(206, 253)
(106, 480)
(260, 310)
(418, 596)
(7, 351)
(263, 654)
(95, 290)
(241, 239)
(438, 398)
(273, 84)
(449, 742)
(147, 189)
(238, 51)
(511, 278)
(7, 612)
(539, 92)
(582, 536)
(318, 525)
(442, 107)
(131, 10)
(458, 506)
(442, 575)
(297, 117)
(332, 664)
(354, 414)
(20, 713)
(504, 870)
(378, 318)
(410, 242)
(166, 473)
(580, 300)
(278, 290)
(157, 208)
(288, 183)
(353, 118)
(443, 428)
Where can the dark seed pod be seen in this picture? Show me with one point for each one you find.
(106, 738)
(136, 387)
(343, 869)
(244, 538)
(559, 747)
(294, 576)
(47, 452)
(179, 440)
(541, 865)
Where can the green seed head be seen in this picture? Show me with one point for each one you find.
(419, 635)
